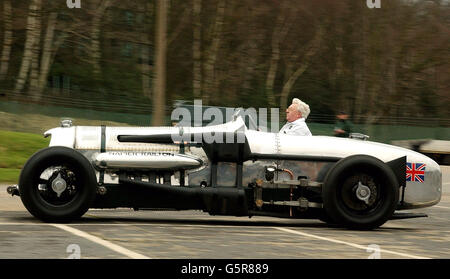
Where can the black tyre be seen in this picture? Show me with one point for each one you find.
(323, 216)
(57, 184)
(360, 192)
(321, 178)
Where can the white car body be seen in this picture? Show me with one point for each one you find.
(88, 140)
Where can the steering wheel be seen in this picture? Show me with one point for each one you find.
(252, 123)
(236, 114)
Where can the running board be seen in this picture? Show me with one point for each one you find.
(404, 215)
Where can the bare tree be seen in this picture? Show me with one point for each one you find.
(212, 52)
(250, 49)
(301, 67)
(196, 49)
(30, 42)
(159, 91)
(95, 49)
(35, 54)
(145, 57)
(7, 39)
(282, 25)
(49, 50)
(43, 56)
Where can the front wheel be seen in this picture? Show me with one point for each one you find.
(57, 184)
(360, 192)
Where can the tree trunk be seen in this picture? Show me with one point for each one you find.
(279, 33)
(196, 49)
(47, 52)
(360, 72)
(159, 93)
(287, 87)
(145, 58)
(311, 51)
(251, 52)
(36, 50)
(336, 74)
(95, 37)
(29, 44)
(180, 26)
(145, 70)
(7, 39)
(209, 70)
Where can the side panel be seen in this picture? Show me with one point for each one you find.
(424, 194)
(256, 170)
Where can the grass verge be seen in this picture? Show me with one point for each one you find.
(15, 149)
(9, 175)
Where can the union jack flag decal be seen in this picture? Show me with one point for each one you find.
(415, 172)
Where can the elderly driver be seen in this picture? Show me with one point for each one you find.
(296, 115)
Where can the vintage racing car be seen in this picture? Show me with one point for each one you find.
(350, 182)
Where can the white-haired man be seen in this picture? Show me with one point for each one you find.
(296, 115)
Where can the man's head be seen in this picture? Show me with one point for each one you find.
(342, 115)
(297, 110)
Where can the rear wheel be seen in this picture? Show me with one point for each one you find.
(360, 192)
(57, 184)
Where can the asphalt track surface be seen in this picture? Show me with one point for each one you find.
(124, 234)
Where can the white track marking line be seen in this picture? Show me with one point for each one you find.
(439, 218)
(347, 243)
(105, 243)
(16, 224)
(438, 206)
(227, 226)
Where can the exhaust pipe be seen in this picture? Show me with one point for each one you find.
(146, 160)
(215, 200)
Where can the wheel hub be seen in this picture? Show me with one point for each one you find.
(363, 192)
(59, 185)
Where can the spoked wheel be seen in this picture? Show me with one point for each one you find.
(360, 192)
(57, 184)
